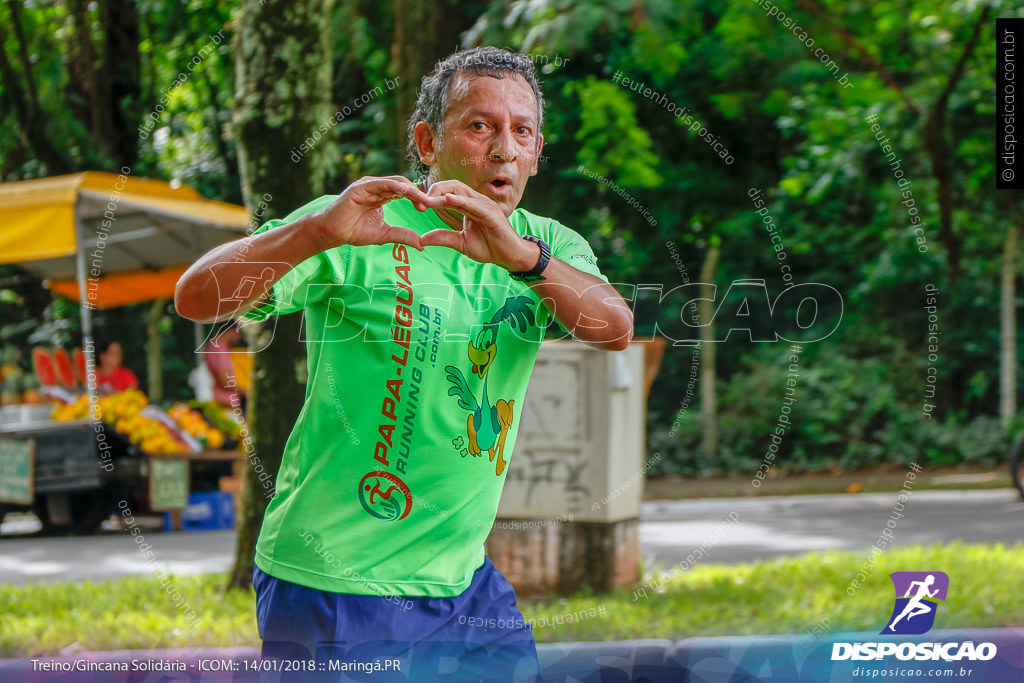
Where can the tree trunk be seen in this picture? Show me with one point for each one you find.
(283, 82)
(122, 69)
(32, 101)
(149, 93)
(942, 171)
(1008, 333)
(22, 102)
(708, 410)
(936, 142)
(216, 128)
(85, 80)
(425, 32)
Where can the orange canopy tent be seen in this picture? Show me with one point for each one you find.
(119, 239)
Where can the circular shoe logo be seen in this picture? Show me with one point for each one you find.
(385, 496)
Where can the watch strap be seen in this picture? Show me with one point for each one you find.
(534, 274)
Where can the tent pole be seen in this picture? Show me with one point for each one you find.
(85, 309)
(200, 334)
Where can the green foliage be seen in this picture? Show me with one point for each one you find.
(794, 131)
(849, 414)
(610, 142)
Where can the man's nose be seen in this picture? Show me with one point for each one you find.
(503, 148)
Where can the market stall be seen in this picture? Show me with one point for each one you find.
(104, 240)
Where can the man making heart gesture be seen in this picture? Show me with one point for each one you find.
(425, 305)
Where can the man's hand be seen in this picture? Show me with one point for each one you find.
(486, 234)
(583, 304)
(357, 216)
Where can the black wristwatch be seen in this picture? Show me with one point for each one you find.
(534, 274)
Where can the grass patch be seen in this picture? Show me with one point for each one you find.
(771, 597)
(793, 595)
(130, 613)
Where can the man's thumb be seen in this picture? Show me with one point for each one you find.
(440, 237)
(395, 234)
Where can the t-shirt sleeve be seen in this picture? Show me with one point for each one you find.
(569, 246)
(296, 289)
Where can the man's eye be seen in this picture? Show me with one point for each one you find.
(523, 130)
(478, 125)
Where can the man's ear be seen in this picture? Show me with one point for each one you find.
(540, 148)
(425, 139)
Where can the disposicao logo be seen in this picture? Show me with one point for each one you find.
(917, 599)
(914, 612)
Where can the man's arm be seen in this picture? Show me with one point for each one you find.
(585, 305)
(355, 218)
(263, 259)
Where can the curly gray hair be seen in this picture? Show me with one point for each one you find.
(432, 101)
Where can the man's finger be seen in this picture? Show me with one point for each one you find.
(383, 190)
(451, 186)
(481, 209)
(420, 199)
(442, 237)
(396, 234)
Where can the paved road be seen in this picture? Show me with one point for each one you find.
(793, 525)
(107, 555)
(769, 527)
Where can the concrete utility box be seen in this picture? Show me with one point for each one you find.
(569, 513)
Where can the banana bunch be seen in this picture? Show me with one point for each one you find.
(71, 411)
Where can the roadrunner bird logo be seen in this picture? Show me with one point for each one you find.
(487, 423)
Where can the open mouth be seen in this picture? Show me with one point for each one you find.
(498, 183)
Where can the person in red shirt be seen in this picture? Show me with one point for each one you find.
(111, 376)
(218, 360)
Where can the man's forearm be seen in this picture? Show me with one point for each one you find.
(587, 306)
(264, 258)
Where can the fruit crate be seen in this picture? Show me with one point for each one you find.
(206, 512)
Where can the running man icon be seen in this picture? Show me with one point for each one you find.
(916, 607)
(376, 491)
(917, 595)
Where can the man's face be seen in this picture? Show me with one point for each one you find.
(490, 139)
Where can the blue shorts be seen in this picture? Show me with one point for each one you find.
(313, 635)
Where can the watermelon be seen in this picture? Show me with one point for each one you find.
(80, 371)
(65, 371)
(42, 363)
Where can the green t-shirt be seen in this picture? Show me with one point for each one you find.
(418, 365)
